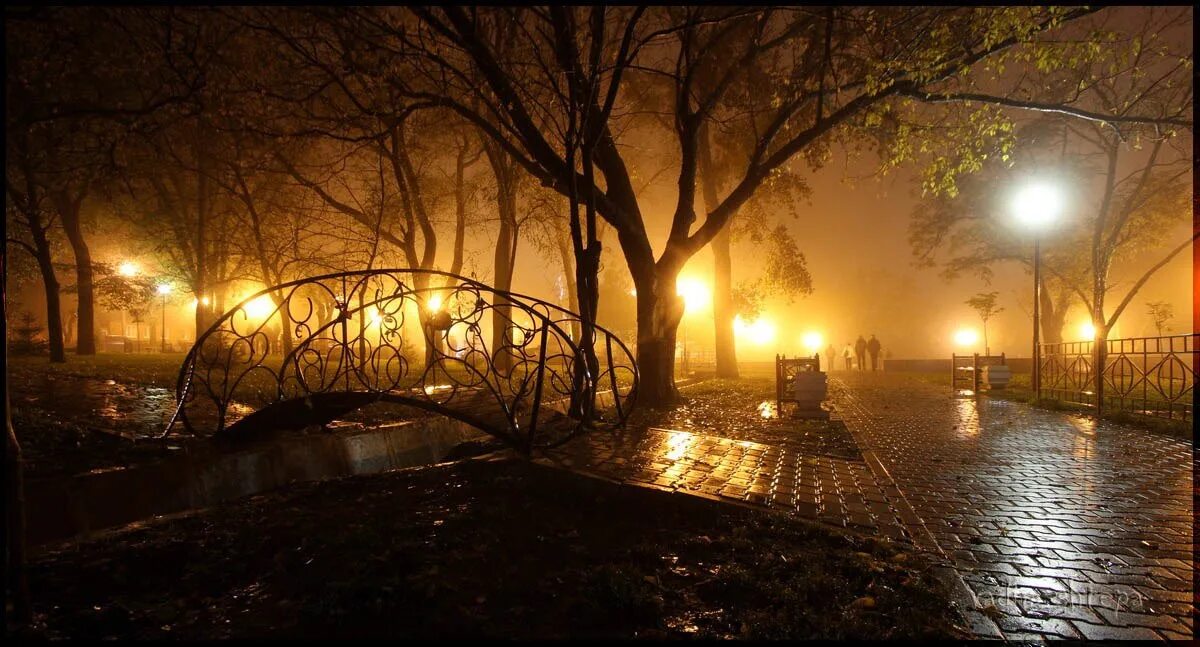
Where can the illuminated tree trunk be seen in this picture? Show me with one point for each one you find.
(564, 254)
(659, 311)
(1053, 316)
(507, 177)
(723, 308)
(54, 326)
(68, 209)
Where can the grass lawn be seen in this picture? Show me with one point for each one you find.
(145, 369)
(485, 549)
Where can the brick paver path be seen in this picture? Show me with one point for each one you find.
(830, 489)
(1067, 527)
(1060, 526)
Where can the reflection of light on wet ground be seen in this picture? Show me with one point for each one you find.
(767, 409)
(678, 442)
(1083, 445)
(968, 418)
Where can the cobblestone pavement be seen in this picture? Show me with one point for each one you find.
(1060, 526)
(824, 488)
(1063, 527)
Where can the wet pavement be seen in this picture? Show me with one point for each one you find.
(728, 444)
(1061, 527)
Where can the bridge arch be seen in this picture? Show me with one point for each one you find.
(306, 351)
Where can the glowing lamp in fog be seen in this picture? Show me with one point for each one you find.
(1037, 205)
(696, 295)
(812, 341)
(761, 332)
(163, 289)
(1087, 331)
(966, 337)
(127, 269)
(435, 303)
(259, 308)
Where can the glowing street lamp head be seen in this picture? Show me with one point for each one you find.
(163, 289)
(760, 333)
(127, 269)
(966, 337)
(812, 341)
(696, 295)
(434, 303)
(1087, 331)
(259, 308)
(1036, 206)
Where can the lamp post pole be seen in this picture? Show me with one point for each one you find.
(1035, 378)
(163, 329)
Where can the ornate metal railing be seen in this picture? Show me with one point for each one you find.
(306, 351)
(1153, 376)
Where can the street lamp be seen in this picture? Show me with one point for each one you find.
(1036, 207)
(966, 337)
(163, 290)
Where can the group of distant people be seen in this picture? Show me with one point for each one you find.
(860, 350)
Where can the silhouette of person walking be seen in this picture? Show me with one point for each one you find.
(830, 351)
(873, 347)
(860, 350)
(847, 353)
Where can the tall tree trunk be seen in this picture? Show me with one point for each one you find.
(202, 209)
(503, 264)
(659, 311)
(565, 255)
(54, 327)
(68, 208)
(505, 170)
(1053, 315)
(723, 309)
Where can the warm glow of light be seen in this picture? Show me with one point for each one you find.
(376, 316)
(761, 332)
(435, 303)
(1087, 331)
(633, 292)
(260, 307)
(127, 268)
(163, 289)
(204, 300)
(966, 337)
(678, 444)
(696, 294)
(1037, 205)
(812, 341)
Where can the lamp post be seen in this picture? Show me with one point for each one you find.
(1036, 206)
(163, 290)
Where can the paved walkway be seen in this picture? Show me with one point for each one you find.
(1064, 526)
(1061, 527)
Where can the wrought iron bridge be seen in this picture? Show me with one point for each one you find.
(1153, 376)
(307, 351)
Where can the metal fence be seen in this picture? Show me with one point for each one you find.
(1154, 376)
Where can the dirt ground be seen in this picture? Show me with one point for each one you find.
(497, 548)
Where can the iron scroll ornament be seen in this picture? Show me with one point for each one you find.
(340, 341)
